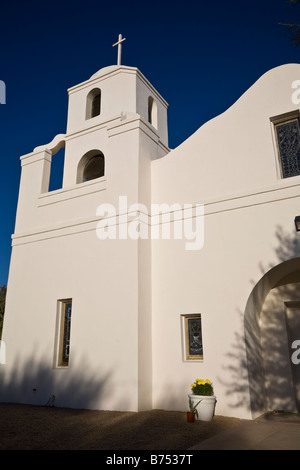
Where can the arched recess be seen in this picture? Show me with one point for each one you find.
(272, 295)
(91, 166)
(93, 103)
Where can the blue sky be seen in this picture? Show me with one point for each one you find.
(201, 56)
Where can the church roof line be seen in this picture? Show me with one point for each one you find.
(260, 82)
(110, 70)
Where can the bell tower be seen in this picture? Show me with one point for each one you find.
(116, 126)
(116, 100)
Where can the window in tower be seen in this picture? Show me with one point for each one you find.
(91, 166)
(152, 112)
(93, 103)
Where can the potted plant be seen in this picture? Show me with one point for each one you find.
(190, 415)
(203, 393)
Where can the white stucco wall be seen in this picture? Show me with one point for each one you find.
(229, 165)
(129, 295)
(105, 301)
(57, 255)
(233, 153)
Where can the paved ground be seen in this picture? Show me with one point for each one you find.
(262, 434)
(25, 427)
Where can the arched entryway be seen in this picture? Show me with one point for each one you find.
(272, 324)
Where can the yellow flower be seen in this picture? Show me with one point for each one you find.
(193, 385)
(201, 382)
(208, 381)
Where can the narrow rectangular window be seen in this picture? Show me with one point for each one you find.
(192, 330)
(288, 144)
(64, 332)
(96, 105)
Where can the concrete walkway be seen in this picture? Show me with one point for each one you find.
(259, 434)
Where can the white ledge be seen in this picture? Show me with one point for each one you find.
(78, 190)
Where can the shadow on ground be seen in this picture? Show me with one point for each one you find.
(26, 427)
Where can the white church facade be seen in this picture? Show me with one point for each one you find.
(114, 306)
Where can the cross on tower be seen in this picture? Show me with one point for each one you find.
(119, 43)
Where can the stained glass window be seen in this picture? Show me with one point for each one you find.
(65, 330)
(288, 140)
(193, 336)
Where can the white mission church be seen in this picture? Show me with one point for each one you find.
(152, 267)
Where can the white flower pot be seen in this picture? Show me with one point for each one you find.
(206, 407)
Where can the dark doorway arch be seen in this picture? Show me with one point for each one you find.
(285, 275)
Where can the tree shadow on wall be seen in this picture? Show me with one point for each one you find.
(288, 247)
(237, 387)
(34, 383)
(260, 356)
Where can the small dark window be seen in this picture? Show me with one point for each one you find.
(96, 105)
(152, 112)
(93, 103)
